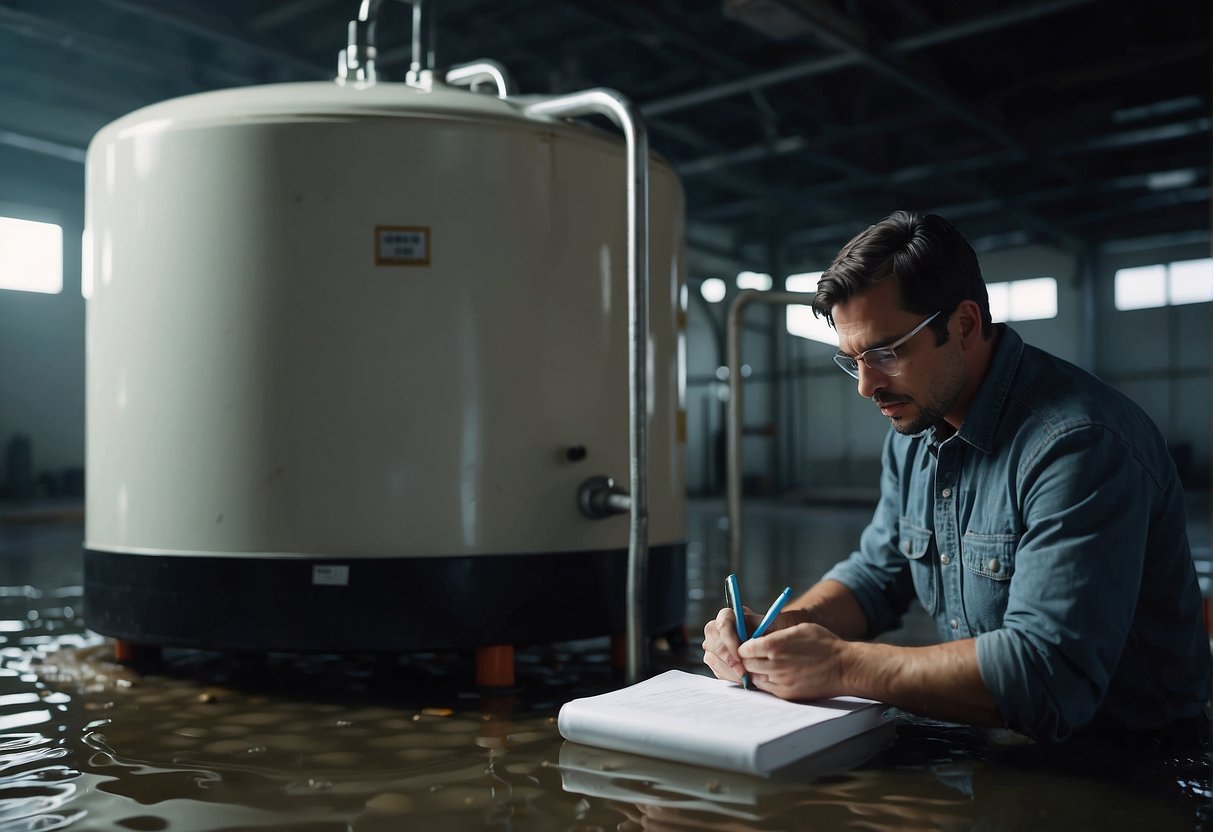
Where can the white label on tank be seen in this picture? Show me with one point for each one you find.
(331, 575)
(402, 245)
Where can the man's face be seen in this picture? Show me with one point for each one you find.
(926, 381)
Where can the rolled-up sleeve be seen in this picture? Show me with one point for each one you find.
(877, 574)
(1086, 507)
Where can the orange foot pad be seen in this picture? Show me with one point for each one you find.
(131, 652)
(495, 666)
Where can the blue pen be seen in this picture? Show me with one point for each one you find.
(732, 597)
(773, 612)
(732, 594)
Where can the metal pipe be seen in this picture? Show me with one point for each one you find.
(619, 502)
(470, 74)
(733, 431)
(415, 66)
(357, 60)
(627, 117)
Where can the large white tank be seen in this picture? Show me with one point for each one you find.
(350, 353)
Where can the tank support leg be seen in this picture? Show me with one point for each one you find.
(132, 652)
(495, 666)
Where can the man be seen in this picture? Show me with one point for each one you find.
(1033, 510)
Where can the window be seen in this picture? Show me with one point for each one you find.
(1023, 300)
(754, 280)
(31, 256)
(1173, 284)
(801, 320)
(1191, 281)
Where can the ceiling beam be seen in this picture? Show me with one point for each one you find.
(33, 144)
(284, 13)
(163, 65)
(664, 106)
(902, 176)
(221, 35)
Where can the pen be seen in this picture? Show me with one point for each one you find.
(732, 595)
(773, 612)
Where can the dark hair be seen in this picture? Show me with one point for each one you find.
(935, 267)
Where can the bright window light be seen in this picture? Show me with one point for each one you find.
(1173, 284)
(1023, 300)
(801, 320)
(31, 256)
(1140, 288)
(1000, 300)
(1191, 281)
(754, 280)
(804, 282)
(1033, 299)
(713, 289)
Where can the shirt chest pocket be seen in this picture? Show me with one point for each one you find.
(989, 565)
(914, 542)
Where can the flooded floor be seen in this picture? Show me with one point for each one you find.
(210, 741)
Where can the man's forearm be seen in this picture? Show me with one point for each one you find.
(833, 606)
(940, 681)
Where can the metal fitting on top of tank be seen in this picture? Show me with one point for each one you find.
(357, 61)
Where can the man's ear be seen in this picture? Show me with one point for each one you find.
(968, 319)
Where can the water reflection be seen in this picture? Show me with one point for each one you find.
(312, 742)
(207, 741)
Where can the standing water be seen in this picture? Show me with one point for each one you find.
(210, 741)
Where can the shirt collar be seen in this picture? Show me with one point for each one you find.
(990, 401)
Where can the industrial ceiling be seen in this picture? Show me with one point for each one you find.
(1079, 124)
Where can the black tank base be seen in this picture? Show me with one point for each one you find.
(336, 605)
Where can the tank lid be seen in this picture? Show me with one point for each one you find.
(319, 100)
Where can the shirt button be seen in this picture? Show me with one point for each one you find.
(947, 492)
(995, 565)
(954, 624)
(945, 560)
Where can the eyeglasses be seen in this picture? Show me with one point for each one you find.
(882, 359)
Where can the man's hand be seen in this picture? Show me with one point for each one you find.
(720, 642)
(800, 661)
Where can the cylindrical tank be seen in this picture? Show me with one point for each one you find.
(350, 353)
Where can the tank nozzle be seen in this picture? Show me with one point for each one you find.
(600, 497)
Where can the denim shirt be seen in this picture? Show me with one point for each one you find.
(1051, 529)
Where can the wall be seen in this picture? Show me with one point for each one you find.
(832, 437)
(42, 336)
(1161, 359)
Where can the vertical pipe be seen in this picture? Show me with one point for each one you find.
(733, 338)
(627, 117)
(418, 38)
(733, 435)
(777, 338)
